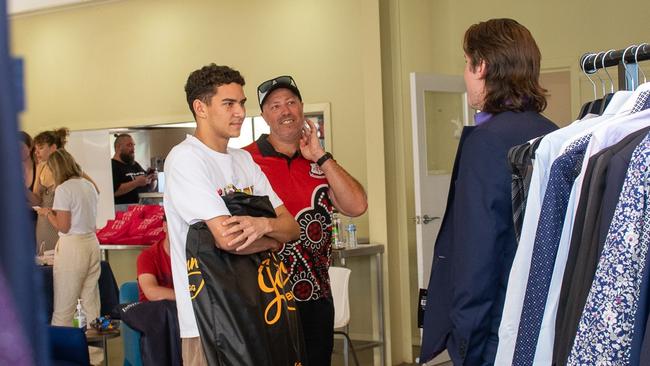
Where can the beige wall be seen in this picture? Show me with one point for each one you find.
(558, 86)
(410, 42)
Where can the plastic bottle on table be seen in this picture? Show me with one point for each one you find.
(352, 235)
(338, 239)
(79, 320)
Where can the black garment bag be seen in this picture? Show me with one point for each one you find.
(244, 308)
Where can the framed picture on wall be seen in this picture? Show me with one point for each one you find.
(319, 114)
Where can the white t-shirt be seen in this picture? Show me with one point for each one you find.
(78, 196)
(196, 178)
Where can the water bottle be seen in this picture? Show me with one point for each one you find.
(79, 320)
(338, 241)
(352, 235)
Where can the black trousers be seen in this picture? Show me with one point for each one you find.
(317, 318)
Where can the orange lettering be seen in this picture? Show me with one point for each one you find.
(275, 285)
(192, 264)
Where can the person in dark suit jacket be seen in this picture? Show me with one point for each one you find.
(476, 244)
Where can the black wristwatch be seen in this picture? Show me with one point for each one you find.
(327, 156)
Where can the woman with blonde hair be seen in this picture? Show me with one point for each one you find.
(45, 143)
(76, 256)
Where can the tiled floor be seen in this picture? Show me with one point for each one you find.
(366, 357)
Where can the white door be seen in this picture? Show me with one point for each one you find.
(439, 112)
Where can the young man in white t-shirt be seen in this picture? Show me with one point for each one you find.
(199, 171)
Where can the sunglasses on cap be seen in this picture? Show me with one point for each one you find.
(281, 81)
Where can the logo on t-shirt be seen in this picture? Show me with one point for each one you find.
(230, 188)
(132, 175)
(316, 172)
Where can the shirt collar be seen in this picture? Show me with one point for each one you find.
(266, 149)
(481, 117)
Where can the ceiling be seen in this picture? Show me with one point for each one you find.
(27, 6)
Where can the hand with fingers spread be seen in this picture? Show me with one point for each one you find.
(310, 147)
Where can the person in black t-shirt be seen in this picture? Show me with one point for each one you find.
(129, 178)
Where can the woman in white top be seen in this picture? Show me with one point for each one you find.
(76, 256)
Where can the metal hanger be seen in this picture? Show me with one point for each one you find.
(607, 72)
(627, 87)
(607, 97)
(584, 71)
(603, 83)
(596, 105)
(587, 106)
(636, 54)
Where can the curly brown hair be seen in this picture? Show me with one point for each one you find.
(202, 84)
(512, 61)
(63, 134)
(48, 138)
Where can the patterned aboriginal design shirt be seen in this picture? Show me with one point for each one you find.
(303, 188)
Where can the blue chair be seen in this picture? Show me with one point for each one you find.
(130, 337)
(68, 346)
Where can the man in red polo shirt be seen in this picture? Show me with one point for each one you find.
(310, 183)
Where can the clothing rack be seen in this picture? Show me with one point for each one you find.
(627, 60)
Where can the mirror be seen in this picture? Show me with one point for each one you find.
(93, 149)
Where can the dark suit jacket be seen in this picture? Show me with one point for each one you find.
(476, 244)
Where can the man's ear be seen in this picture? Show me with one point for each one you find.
(263, 115)
(199, 107)
(481, 69)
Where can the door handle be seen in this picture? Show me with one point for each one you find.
(427, 219)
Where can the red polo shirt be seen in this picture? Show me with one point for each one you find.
(156, 261)
(303, 188)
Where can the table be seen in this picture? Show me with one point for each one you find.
(106, 247)
(363, 250)
(150, 198)
(95, 337)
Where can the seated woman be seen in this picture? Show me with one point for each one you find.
(76, 256)
(155, 271)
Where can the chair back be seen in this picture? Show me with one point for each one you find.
(130, 337)
(68, 345)
(108, 292)
(339, 280)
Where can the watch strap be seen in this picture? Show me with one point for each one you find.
(327, 156)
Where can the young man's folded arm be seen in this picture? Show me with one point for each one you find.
(247, 234)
